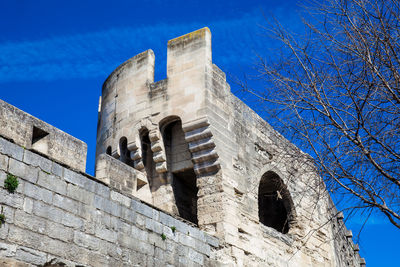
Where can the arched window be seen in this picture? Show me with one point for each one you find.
(108, 150)
(275, 206)
(124, 152)
(180, 167)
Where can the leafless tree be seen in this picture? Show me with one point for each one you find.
(335, 93)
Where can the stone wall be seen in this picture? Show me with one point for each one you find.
(32, 133)
(59, 215)
(230, 149)
(185, 146)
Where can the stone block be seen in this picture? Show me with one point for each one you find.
(86, 241)
(9, 212)
(85, 211)
(28, 205)
(119, 226)
(52, 183)
(3, 177)
(36, 160)
(74, 177)
(59, 231)
(30, 222)
(24, 237)
(140, 220)
(90, 185)
(30, 256)
(23, 171)
(156, 215)
(57, 169)
(107, 205)
(156, 240)
(196, 233)
(167, 219)
(202, 248)
(142, 208)
(3, 162)
(14, 200)
(154, 226)
(212, 241)
(38, 193)
(139, 234)
(66, 203)
(79, 194)
(170, 234)
(121, 199)
(106, 234)
(186, 240)
(57, 215)
(4, 229)
(128, 215)
(102, 190)
(182, 227)
(10, 149)
(7, 250)
(195, 256)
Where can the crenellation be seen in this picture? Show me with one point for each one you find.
(32, 134)
(186, 175)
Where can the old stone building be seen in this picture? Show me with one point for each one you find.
(186, 175)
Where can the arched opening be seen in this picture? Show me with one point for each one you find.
(147, 155)
(275, 206)
(123, 150)
(108, 150)
(180, 169)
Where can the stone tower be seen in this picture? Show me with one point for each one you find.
(186, 175)
(189, 147)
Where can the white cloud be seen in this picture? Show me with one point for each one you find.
(97, 54)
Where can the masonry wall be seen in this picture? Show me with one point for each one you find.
(248, 147)
(231, 148)
(58, 215)
(32, 133)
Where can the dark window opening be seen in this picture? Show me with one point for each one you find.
(147, 156)
(274, 203)
(180, 166)
(108, 150)
(124, 152)
(38, 134)
(185, 192)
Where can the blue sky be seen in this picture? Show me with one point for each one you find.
(55, 55)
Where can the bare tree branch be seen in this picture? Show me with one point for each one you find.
(335, 92)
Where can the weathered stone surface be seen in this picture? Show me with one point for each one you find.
(35, 160)
(51, 182)
(10, 149)
(30, 133)
(23, 170)
(186, 175)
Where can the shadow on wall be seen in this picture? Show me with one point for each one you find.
(180, 168)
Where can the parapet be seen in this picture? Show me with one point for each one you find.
(139, 68)
(60, 217)
(120, 176)
(34, 134)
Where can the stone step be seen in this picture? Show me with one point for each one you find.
(199, 123)
(206, 167)
(161, 167)
(204, 155)
(135, 155)
(198, 134)
(156, 146)
(139, 164)
(201, 144)
(159, 157)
